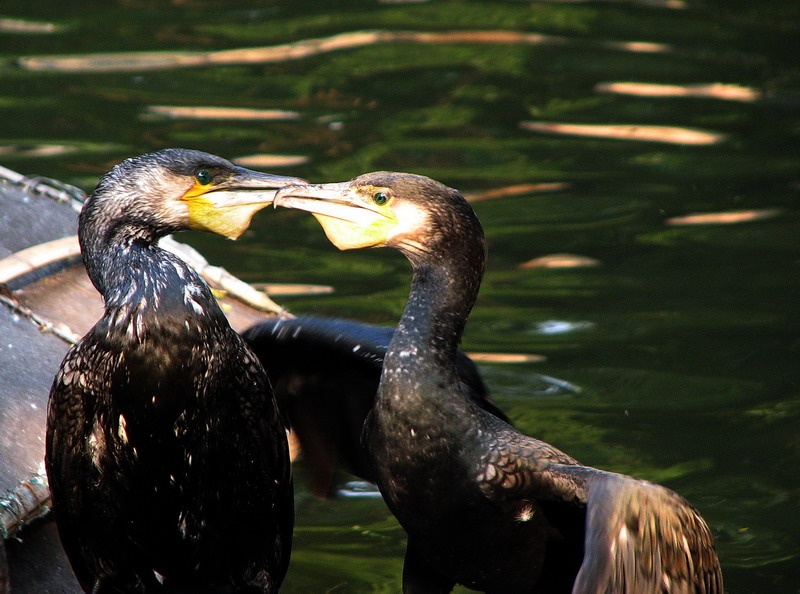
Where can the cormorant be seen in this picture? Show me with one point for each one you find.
(325, 374)
(484, 505)
(166, 455)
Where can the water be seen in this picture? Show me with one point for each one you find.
(683, 337)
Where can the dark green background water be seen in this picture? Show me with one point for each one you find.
(684, 340)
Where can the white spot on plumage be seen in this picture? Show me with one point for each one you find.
(97, 445)
(134, 326)
(128, 296)
(621, 541)
(190, 293)
(525, 513)
(182, 525)
(179, 270)
(122, 429)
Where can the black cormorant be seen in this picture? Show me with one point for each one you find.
(325, 374)
(166, 454)
(484, 505)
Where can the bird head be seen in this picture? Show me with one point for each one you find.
(176, 189)
(412, 213)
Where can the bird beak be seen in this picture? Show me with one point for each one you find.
(350, 220)
(226, 207)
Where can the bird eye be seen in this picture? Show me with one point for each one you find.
(380, 198)
(204, 177)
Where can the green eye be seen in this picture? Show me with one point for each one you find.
(380, 198)
(204, 177)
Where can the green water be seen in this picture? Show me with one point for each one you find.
(684, 339)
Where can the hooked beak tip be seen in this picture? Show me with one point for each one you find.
(287, 191)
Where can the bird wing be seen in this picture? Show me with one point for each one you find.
(516, 465)
(253, 385)
(290, 345)
(310, 335)
(73, 397)
(641, 537)
(268, 464)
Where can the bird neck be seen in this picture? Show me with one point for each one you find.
(420, 362)
(138, 278)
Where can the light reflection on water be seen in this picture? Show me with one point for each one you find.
(679, 328)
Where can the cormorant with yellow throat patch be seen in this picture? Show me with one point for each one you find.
(484, 505)
(166, 454)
